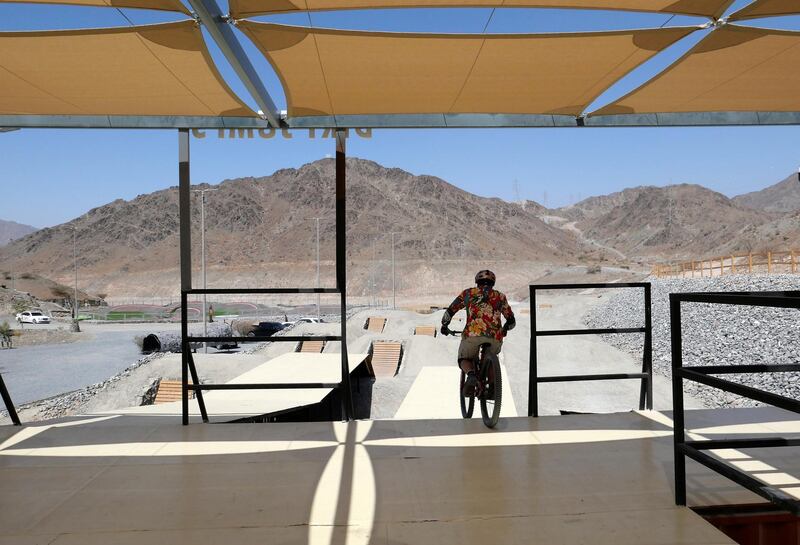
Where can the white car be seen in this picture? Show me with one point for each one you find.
(32, 317)
(309, 321)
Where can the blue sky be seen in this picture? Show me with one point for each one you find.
(51, 176)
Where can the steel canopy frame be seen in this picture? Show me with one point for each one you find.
(211, 16)
(405, 121)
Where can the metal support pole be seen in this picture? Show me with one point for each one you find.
(318, 295)
(647, 364)
(394, 293)
(345, 391)
(203, 256)
(75, 326)
(12, 411)
(533, 384)
(678, 432)
(184, 202)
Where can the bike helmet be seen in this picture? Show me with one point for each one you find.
(485, 277)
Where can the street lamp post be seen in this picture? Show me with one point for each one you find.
(75, 324)
(317, 222)
(394, 292)
(203, 258)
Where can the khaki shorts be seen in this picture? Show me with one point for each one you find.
(468, 349)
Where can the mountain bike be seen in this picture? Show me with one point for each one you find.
(489, 390)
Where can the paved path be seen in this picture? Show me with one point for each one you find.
(38, 372)
(428, 399)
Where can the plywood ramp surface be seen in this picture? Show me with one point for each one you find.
(386, 358)
(314, 347)
(560, 480)
(170, 391)
(428, 330)
(375, 324)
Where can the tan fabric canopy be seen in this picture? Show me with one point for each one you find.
(733, 69)
(163, 5)
(333, 72)
(767, 8)
(707, 8)
(145, 70)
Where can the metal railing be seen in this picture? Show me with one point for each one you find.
(646, 376)
(188, 364)
(702, 374)
(12, 411)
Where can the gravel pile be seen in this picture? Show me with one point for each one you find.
(712, 334)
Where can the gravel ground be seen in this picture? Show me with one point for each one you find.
(713, 334)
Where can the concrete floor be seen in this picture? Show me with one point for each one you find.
(599, 479)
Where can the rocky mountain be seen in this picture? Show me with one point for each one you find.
(11, 230)
(781, 197)
(674, 221)
(263, 228)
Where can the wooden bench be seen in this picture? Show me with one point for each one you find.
(169, 391)
(314, 347)
(427, 330)
(385, 358)
(375, 324)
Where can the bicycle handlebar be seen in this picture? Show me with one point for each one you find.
(453, 333)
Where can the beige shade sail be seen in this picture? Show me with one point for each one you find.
(734, 69)
(162, 5)
(143, 70)
(706, 8)
(333, 72)
(767, 8)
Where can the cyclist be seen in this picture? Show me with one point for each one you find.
(484, 306)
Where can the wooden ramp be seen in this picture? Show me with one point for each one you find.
(385, 360)
(602, 479)
(375, 324)
(312, 347)
(169, 391)
(427, 330)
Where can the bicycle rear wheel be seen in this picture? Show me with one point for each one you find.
(492, 392)
(467, 402)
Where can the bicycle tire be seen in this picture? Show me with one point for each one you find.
(467, 402)
(490, 407)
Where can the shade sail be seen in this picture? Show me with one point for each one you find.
(162, 5)
(333, 72)
(767, 8)
(734, 69)
(144, 70)
(706, 8)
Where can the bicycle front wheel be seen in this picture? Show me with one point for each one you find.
(492, 392)
(467, 402)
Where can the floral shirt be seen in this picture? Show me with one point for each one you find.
(484, 307)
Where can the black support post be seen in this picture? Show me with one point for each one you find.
(12, 411)
(646, 396)
(677, 399)
(345, 390)
(533, 382)
(184, 203)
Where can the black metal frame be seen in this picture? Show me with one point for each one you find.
(187, 360)
(12, 411)
(646, 376)
(701, 374)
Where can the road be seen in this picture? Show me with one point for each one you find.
(38, 372)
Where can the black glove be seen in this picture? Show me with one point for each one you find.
(445, 330)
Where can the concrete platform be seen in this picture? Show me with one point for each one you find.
(227, 405)
(599, 479)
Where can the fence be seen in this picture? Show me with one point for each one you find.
(704, 374)
(768, 262)
(646, 376)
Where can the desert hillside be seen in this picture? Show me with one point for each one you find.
(261, 232)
